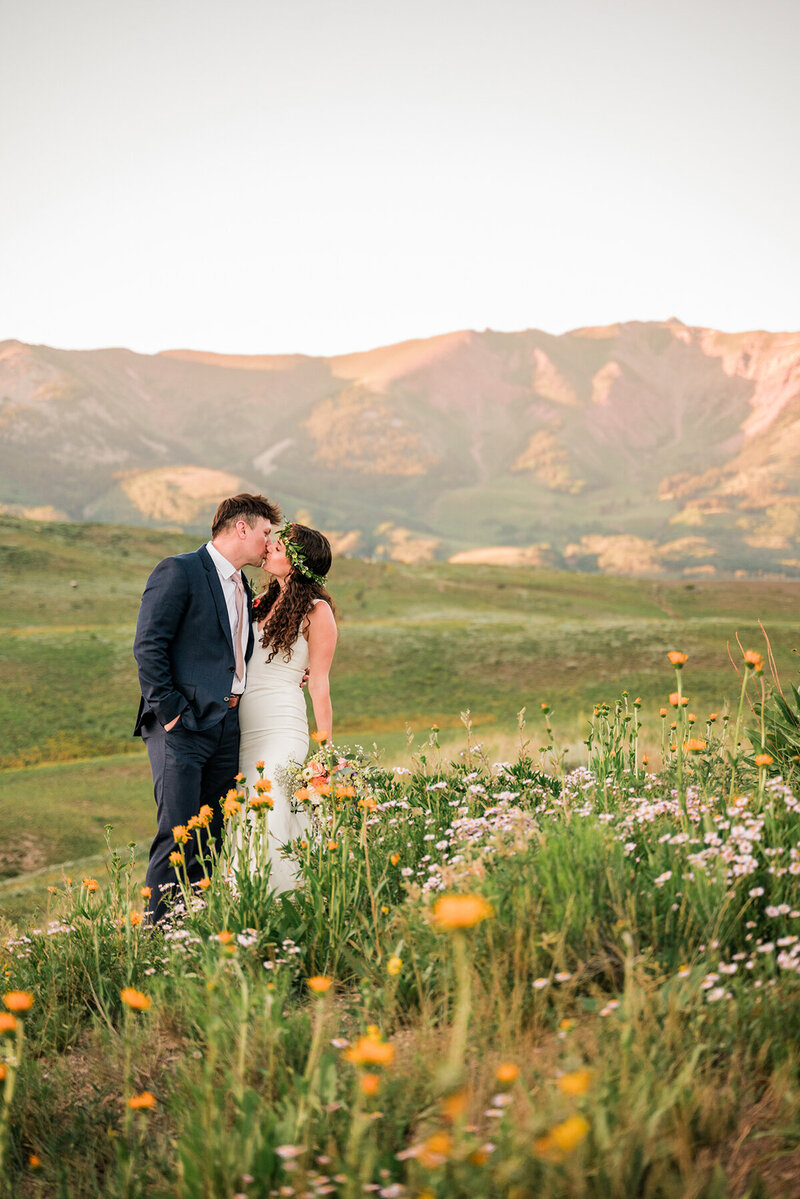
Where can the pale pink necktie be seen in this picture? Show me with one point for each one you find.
(237, 637)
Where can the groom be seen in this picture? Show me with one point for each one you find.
(193, 638)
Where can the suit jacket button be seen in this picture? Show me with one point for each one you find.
(226, 698)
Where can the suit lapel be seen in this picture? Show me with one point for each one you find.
(216, 591)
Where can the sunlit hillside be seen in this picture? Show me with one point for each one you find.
(640, 448)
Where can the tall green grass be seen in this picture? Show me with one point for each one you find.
(618, 1016)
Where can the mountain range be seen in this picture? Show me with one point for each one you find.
(642, 447)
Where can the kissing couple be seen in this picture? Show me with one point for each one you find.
(222, 672)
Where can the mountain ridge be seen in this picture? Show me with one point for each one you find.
(642, 446)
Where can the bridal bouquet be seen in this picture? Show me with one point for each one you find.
(335, 773)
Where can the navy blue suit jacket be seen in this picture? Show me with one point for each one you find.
(183, 646)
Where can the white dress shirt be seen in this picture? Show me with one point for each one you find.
(226, 573)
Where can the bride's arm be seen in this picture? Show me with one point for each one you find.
(322, 634)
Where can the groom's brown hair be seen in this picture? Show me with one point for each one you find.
(244, 507)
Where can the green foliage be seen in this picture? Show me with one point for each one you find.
(780, 716)
(640, 949)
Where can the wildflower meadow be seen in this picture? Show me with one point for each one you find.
(497, 978)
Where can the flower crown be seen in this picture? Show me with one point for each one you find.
(296, 556)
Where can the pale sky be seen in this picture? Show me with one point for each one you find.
(330, 175)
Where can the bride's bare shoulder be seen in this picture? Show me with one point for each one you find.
(320, 617)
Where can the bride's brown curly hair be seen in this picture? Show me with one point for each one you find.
(288, 609)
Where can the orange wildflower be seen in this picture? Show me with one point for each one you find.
(369, 1084)
(225, 937)
(262, 785)
(139, 1102)
(204, 884)
(453, 912)
(507, 1072)
(576, 1083)
(18, 1001)
(394, 859)
(677, 658)
(435, 1151)
(321, 736)
(91, 884)
(754, 661)
(261, 801)
(764, 759)
(259, 766)
(320, 984)
(694, 745)
(33, 1161)
(562, 1139)
(231, 804)
(175, 858)
(136, 918)
(180, 833)
(370, 1050)
(145, 892)
(454, 1105)
(7, 1022)
(135, 999)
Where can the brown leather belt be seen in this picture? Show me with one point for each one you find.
(233, 701)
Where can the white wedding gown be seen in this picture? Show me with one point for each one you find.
(274, 730)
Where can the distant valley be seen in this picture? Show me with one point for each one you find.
(640, 448)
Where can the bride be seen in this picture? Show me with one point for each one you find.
(294, 630)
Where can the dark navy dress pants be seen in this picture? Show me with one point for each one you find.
(189, 769)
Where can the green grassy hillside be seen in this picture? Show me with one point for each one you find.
(418, 644)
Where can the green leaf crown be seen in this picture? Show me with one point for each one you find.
(296, 556)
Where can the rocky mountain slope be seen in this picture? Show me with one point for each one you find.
(640, 447)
